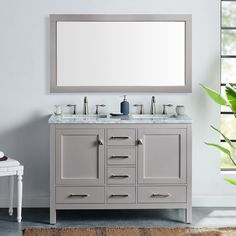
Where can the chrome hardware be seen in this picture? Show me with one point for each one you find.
(141, 108)
(100, 142)
(78, 195)
(140, 141)
(119, 195)
(74, 108)
(119, 157)
(160, 195)
(119, 176)
(164, 108)
(115, 137)
(85, 110)
(153, 105)
(102, 105)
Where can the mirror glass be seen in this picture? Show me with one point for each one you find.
(127, 55)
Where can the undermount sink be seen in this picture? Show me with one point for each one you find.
(154, 116)
(82, 116)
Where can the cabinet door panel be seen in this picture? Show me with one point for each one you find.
(80, 158)
(162, 156)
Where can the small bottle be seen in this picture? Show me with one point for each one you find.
(124, 106)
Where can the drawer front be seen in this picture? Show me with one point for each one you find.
(120, 195)
(120, 175)
(124, 156)
(121, 137)
(79, 194)
(162, 194)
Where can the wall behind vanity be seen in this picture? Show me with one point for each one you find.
(25, 101)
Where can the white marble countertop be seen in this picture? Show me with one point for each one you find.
(130, 119)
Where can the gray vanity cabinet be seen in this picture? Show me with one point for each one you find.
(162, 155)
(80, 156)
(120, 166)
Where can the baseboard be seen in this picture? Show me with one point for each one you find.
(28, 201)
(198, 201)
(214, 201)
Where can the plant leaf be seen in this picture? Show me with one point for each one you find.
(231, 181)
(231, 96)
(225, 138)
(216, 97)
(225, 150)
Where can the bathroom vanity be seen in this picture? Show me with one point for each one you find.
(134, 162)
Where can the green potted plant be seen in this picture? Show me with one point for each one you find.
(229, 101)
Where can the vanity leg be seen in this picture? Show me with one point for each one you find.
(188, 215)
(53, 215)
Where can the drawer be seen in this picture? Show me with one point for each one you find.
(121, 137)
(79, 194)
(120, 195)
(120, 175)
(124, 156)
(162, 194)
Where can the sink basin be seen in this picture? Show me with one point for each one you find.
(155, 116)
(82, 116)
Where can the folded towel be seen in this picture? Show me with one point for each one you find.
(1, 154)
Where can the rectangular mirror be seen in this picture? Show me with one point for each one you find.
(120, 53)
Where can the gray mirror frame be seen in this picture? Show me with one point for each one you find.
(54, 18)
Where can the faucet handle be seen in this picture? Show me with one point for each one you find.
(141, 108)
(74, 108)
(99, 105)
(164, 108)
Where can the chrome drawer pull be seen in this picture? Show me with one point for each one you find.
(78, 195)
(119, 157)
(119, 195)
(160, 195)
(119, 137)
(119, 176)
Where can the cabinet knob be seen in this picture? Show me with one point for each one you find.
(100, 142)
(140, 141)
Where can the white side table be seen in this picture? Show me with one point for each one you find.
(10, 168)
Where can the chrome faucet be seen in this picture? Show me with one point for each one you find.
(74, 108)
(164, 108)
(101, 105)
(141, 108)
(85, 110)
(153, 105)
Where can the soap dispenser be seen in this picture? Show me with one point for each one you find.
(124, 106)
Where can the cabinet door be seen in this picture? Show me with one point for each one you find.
(162, 155)
(80, 156)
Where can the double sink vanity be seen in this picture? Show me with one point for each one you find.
(131, 162)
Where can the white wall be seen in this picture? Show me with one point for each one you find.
(25, 101)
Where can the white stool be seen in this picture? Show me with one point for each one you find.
(10, 168)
